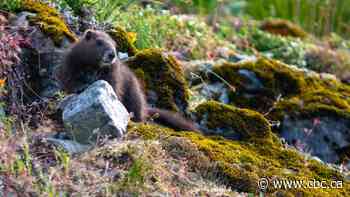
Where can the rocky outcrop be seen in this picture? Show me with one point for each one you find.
(48, 42)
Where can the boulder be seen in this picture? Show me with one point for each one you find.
(231, 122)
(95, 113)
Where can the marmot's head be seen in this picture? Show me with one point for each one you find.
(97, 48)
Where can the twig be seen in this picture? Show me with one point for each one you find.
(222, 79)
(274, 105)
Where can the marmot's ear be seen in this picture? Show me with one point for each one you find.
(89, 34)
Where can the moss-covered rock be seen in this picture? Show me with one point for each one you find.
(241, 164)
(231, 122)
(259, 83)
(283, 28)
(123, 41)
(49, 20)
(313, 104)
(317, 122)
(162, 75)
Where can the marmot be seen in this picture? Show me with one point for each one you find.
(94, 57)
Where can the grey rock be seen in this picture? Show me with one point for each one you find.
(45, 57)
(254, 83)
(21, 19)
(95, 113)
(68, 99)
(324, 140)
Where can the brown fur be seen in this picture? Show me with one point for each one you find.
(83, 65)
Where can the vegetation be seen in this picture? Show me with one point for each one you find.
(10, 5)
(49, 20)
(319, 17)
(233, 122)
(75, 5)
(155, 67)
(243, 76)
(240, 164)
(155, 28)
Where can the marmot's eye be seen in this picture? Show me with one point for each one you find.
(99, 42)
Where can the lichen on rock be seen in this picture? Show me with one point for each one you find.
(163, 78)
(49, 20)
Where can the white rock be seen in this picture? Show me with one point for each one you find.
(94, 113)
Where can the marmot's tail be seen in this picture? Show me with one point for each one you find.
(171, 119)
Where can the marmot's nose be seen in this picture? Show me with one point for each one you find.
(111, 55)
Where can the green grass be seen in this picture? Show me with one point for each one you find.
(75, 5)
(10, 5)
(158, 28)
(320, 17)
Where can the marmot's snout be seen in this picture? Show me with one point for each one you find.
(109, 57)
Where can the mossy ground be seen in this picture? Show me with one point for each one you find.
(240, 164)
(162, 74)
(245, 123)
(49, 20)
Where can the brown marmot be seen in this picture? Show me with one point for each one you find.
(94, 57)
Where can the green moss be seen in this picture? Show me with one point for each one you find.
(278, 79)
(163, 75)
(283, 28)
(327, 97)
(49, 20)
(247, 123)
(123, 40)
(240, 164)
(313, 104)
(147, 131)
(298, 109)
